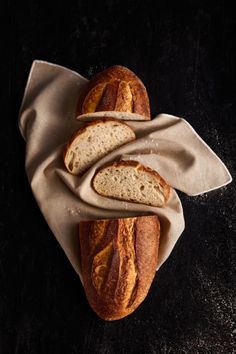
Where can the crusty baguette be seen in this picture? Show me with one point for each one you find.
(93, 141)
(132, 182)
(115, 89)
(118, 260)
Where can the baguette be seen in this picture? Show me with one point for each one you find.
(119, 261)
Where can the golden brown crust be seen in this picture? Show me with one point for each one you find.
(119, 261)
(140, 167)
(107, 101)
(94, 97)
(84, 128)
(116, 88)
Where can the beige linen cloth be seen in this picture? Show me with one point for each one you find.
(167, 144)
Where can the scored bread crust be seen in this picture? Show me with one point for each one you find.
(139, 167)
(118, 261)
(115, 84)
(83, 129)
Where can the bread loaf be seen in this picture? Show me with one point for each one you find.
(93, 141)
(115, 89)
(132, 182)
(118, 260)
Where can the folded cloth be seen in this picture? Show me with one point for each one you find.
(167, 144)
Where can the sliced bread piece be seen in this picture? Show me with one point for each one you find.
(132, 182)
(93, 141)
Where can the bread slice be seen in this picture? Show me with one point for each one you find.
(93, 141)
(132, 182)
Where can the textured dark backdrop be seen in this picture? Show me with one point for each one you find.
(185, 56)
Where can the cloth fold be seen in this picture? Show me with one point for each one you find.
(167, 144)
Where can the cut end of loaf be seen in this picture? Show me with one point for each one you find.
(116, 88)
(131, 181)
(119, 260)
(94, 141)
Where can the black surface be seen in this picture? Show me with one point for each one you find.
(185, 56)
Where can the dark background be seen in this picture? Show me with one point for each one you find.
(185, 55)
